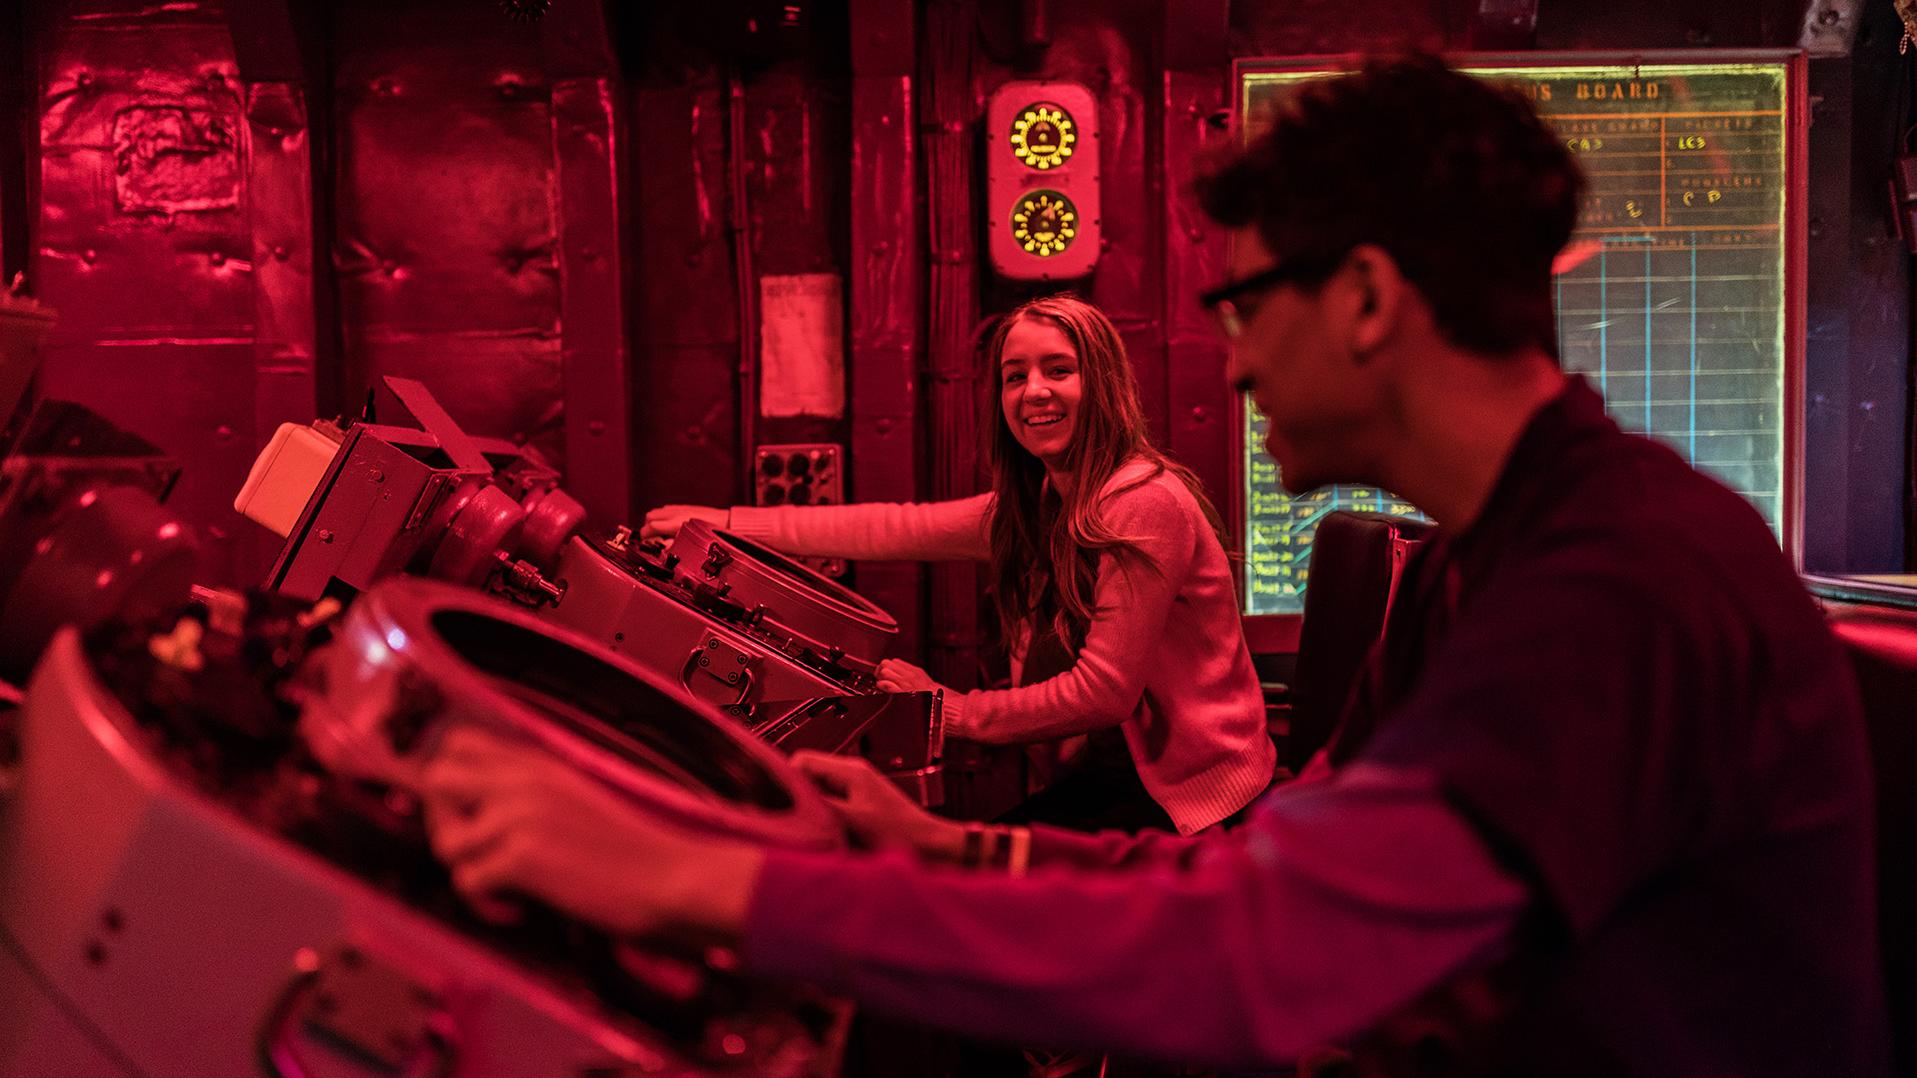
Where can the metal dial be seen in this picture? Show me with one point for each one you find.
(1044, 223)
(1043, 136)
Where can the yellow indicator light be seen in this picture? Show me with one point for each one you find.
(1044, 223)
(1043, 136)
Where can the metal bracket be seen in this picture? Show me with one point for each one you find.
(356, 1001)
(723, 663)
(413, 396)
(1830, 27)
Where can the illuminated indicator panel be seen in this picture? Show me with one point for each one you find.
(1042, 136)
(1670, 298)
(1041, 180)
(1044, 223)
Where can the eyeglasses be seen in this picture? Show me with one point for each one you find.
(1235, 303)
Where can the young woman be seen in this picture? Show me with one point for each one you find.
(1111, 581)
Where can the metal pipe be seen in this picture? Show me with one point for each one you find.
(1035, 25)
(952, 310)
(885, 326)
(740, 225)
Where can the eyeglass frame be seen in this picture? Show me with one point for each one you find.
(1220, 301)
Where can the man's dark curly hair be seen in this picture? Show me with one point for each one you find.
(1456, 178)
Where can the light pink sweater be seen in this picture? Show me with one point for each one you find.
(1165, 657)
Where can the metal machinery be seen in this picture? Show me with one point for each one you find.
(787, 651)
(83, 534)
(427, 499)
(801, 473)
(212, 861)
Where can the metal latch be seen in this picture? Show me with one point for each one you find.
(354, 1002)
(723, 663)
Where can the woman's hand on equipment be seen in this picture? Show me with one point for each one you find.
(510, 819)
(664, 522)
(897, 675)
(877, 811)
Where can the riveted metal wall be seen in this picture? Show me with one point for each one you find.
(512, 209)
(742, 174)
(279, 182)
(796, 152)
(19, 135)
(447, 250)
(1608, 24)
(591, 155)
(1307, 27)
(1198, 403)
(949, 110)
(1857, 370)
(686, 338)
(886, 307)
(143, 245)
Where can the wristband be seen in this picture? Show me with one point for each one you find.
(972, 852)
(1019, 856)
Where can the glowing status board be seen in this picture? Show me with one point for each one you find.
(1671, 297)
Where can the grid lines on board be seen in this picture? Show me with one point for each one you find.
(1670, 297)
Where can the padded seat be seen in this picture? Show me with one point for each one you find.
(1882, 643)
(1356, 559)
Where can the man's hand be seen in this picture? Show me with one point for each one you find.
(510, 819)
(875, 810)
(664, 522)
(897, 675)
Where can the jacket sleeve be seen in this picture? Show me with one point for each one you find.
(1330, 908)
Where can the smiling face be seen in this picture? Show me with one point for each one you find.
(1039, 388)
(1318, 364)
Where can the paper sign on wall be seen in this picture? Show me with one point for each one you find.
(802, 346)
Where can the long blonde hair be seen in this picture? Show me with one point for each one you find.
(1045, 545)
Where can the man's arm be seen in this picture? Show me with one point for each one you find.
(1332, 906)
(1052, 847)
(1336, 903)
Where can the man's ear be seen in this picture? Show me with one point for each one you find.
(1377, 298)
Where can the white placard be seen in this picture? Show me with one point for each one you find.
(802, 346)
